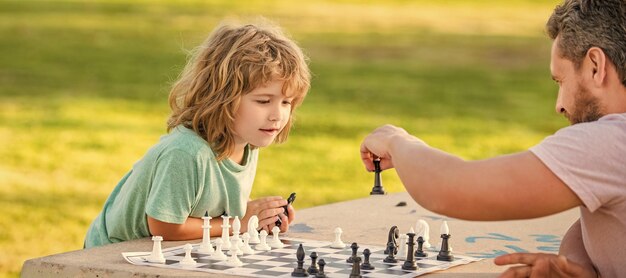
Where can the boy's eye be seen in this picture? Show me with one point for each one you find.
(288, 102)
(263, 101)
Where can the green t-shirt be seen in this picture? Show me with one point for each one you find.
(179, 177)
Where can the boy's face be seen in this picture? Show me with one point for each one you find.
(262, 114)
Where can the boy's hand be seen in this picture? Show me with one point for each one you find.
(268, 210)
(542, 265)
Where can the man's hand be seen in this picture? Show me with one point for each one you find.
(542, 265)
(377, 143)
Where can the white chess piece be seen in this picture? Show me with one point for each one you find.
(237, 230)
(188, 260)
(246, 244)
(234, 246)
(402, 248)
(234, 260)
(253, 225)
(157, 254)
(423, 230)
(218, 254)
(206, 247)
(276, 243)
(225, 232)
(262, 246)
(337, 243)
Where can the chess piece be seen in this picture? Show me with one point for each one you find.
(444, 252)
(378, 184)
(337, 243)
(299, 271)
(391, 251)
(218, 254)
(355, 249)
(246, 244)
(394, 233)
(236, 231)
(262, 246)
(157, 253)
(410, 263)
(423, 230)
(206, 247)
(225, 232)
(366, 265)
(234, 246)
(420, 248)
(234, 260)
(276, 243)
(188, 260)
(356, 268)
(313, 268)
(320, 274)
(253, 225)
(402, 246)
(290, 199)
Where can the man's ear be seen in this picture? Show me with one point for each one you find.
(596, 61)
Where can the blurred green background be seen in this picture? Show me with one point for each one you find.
(83, 89)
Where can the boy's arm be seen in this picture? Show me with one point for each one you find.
(491, 189)
(191, 229)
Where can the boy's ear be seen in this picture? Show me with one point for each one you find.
(596, 65)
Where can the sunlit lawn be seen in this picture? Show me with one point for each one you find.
(83, 90)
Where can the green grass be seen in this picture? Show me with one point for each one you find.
(84, 86)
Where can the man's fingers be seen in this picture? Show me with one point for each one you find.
(516, 271)
(517, 258)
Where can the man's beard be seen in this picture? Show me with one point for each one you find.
(586, 107)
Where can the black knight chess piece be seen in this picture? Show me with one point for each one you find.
(394, 233)
(378, 184)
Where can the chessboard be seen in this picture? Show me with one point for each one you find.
(282, 261)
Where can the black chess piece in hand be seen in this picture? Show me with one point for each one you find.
(378, 184)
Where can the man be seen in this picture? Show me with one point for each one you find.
(583, 165)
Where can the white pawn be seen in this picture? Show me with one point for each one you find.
(206, 247)
(253, 225)
(262, 246)
(234, 246)
(188, 260)
(246, 244)
(423, 230)
(225, 232)
(337, 243)
(218, 254)
(157, 254)
(276, 243)
(402, 248)
(234, 260)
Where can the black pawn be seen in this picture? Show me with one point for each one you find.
(313, 268)
(394, 233)
(420, 248)
(356, 268)
(391, 251)
(378, 184)
(299, 271)
(366, 262)
(444, 253)
(355, 248)
(320, 273)
(410, 264)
